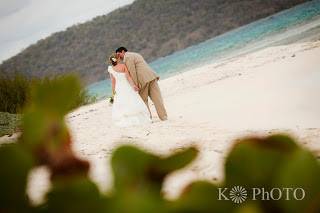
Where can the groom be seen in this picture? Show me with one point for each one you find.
(145, 78)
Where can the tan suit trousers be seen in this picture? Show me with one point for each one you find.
(152, 90)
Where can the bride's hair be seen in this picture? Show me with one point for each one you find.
(113, 59)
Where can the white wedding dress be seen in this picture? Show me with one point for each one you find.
(128, 108)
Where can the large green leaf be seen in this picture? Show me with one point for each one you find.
(253, 162)
(75, 194)
(15, 165)
(139, 176)
(202, 197)
(301, 172)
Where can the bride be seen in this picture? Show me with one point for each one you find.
(128, 108)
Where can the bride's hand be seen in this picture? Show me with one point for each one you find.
(136, 88)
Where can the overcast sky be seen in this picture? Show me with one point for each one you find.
(23, 22)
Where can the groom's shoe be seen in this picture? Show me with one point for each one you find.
(164, 118)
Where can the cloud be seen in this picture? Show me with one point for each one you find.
(24, 22)
(9, 7)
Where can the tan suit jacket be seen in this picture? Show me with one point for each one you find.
(139, 70)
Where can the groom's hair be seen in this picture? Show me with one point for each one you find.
(120, 49)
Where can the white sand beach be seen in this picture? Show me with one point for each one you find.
(275, 90)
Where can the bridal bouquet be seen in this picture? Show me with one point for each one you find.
(110, 99)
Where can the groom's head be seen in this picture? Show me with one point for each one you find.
(121, 51)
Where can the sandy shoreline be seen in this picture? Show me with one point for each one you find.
(270, 91)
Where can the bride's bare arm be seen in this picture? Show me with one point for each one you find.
(128, 76)
(113, 84)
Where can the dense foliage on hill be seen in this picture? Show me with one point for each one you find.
(153, 28)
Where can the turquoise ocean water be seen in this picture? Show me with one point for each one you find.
(282, 28)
